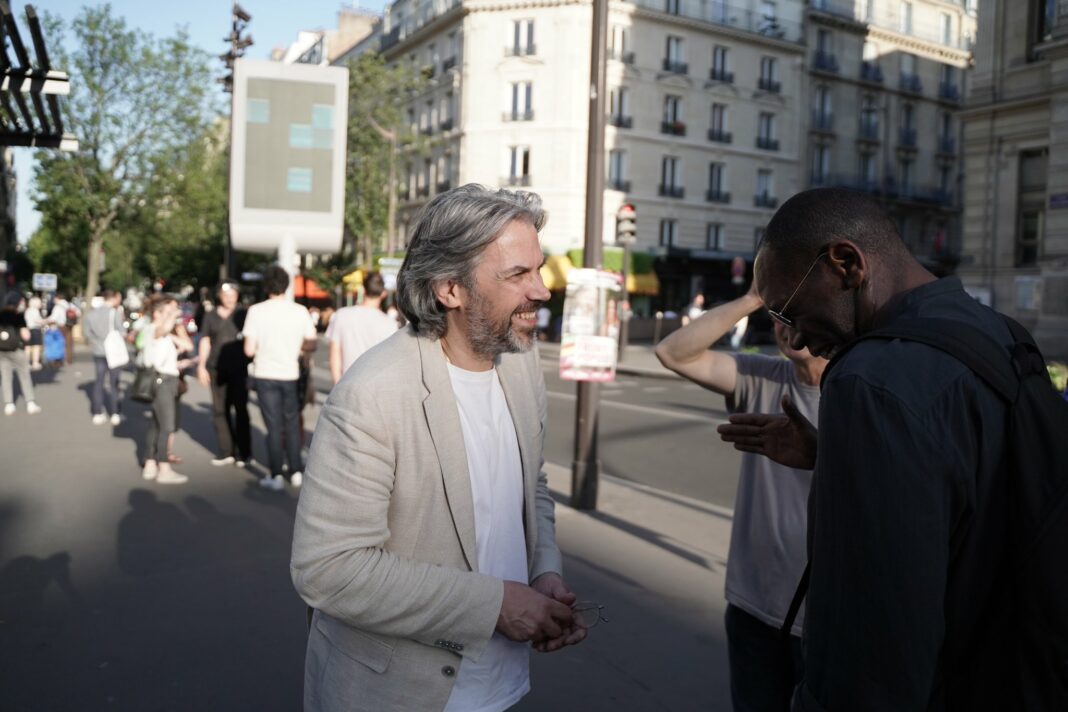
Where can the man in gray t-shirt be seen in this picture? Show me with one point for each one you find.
(767, 552)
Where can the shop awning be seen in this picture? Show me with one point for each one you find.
(353, 280)
(307, 289)
(554, 274)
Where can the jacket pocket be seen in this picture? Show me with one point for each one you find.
(364, 648)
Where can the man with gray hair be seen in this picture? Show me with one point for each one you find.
(425, 536)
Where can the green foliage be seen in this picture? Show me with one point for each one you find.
(140, 108)
(377, 95)
(1058, 373)
(612, 259)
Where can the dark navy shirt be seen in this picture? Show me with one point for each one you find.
(907, 524)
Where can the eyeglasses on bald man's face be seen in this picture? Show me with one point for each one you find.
(779, 314)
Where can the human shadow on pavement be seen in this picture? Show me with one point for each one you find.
(25, 579)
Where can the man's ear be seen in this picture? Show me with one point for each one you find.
(848, 262)
(448, 293)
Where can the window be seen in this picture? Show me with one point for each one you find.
(869, 118)
(823, 41)
(907, 116)
(945, 178)
(446, 108)
(769, 25)
(908, 64)
(905, 17)
(671, 7)
(445, 173)
(1031, 215)
(522, 101)
(519, 163)
(821, 164)
(453, 45)
(259, 111)
(719, 118)
(949, 75)
(869, 10)
(619, 43)
(673, 59)
(718, 11)
(766, 126)
(1047, 18)
(764, 186)
(428, 116)
(870, 53)
(822, 105)
(868, 167)
(522, 37)
(715, 178)
(672, 109)
(616, 168)
(904, 172)
(719, 63)
(299, 180)
(767, 69)
(947, 28)
(715, 237)
(432, 55)
(669, 172)
(669, 233)
(946, 126)
(619, 102)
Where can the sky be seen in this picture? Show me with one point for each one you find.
(275, 23)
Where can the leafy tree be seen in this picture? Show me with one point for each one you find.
(377, 96)
(134, 104)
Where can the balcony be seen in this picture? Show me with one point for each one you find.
(671, 191)
(769, 85)
(444, 185)
(445, 125)
(767, 144)
(947, 146)
(389, 39)
(520, 50)
(448, 64)
(422, 191)
(822, 122)
(736, 15)
(621, 122)
(717, 196)
(907, 139)
(674, 67)
(911, 84)
(426, 130)
(621, 56)
(619, 184)
(673, 128)
(824, 62)
(527, 115)
(763, 200)
(430, 71)
(717, 74)
(871, 72)
(948, 91)
(868, 132)
(522, 181)
(719, 136)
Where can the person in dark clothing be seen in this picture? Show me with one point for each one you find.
(229, 393)
(907, 514)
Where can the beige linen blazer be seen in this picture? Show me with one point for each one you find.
(384, 540)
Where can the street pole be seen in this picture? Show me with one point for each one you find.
(239, 20)
(586, 467)
(624, 321)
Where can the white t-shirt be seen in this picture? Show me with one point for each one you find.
(357, 329)
(501, 676)
(279, 327)
(162, 355)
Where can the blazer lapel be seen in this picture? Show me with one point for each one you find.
(443, 419)
(517, 393)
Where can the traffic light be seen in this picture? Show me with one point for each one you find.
(626, 224)
(238, 45)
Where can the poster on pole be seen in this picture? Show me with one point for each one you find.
(287, 165)
(590, 337)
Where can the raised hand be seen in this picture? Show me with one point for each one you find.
(788, 439)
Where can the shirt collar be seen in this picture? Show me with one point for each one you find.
(908, 303)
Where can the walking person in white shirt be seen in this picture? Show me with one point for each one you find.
(100, 322)
(276, 331)
(355, 329)
(162, 343)
(35, 322)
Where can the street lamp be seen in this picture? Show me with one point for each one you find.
(238, 44)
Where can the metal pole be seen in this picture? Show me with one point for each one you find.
(624, 318)
(586, 467)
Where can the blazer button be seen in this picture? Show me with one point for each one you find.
(448, 671)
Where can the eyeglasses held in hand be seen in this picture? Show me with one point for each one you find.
(779, 314)
(588, 614)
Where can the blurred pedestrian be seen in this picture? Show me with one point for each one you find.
(162, 343)
(64, 316)
(229, 399)
(695, 309)
(99, 323)
(276, 332)
(14, 335)
(767, 549)
(355, 329)
(35, 322)
(456, 571)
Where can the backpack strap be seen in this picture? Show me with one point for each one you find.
(795, 604)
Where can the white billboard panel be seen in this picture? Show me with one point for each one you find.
(287, 167)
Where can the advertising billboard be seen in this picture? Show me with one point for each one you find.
(287, 167)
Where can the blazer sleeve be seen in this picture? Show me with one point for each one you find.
(339, 565)
(547, 556)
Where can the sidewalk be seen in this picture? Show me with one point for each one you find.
(122, 594)
(638, 359)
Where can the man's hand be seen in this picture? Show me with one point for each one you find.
(787, 439)
(528, 615)
(203, 376)
(552, 585)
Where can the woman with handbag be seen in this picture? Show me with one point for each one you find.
(13, 336)
(106, 334)
(162, 344)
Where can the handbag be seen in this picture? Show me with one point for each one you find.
(115, 351)
(145, 383)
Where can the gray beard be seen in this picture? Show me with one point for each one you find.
(489, 339)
